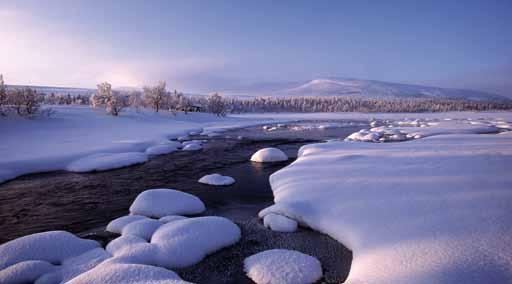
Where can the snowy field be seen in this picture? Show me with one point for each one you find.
(432, 208)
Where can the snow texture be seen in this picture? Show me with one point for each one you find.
(279, 223)
(161, 149)
(117, 225)
(171, 218)
(192, 147)
(128, 274)
(25, 272)
(269, 155)
(217, 179)
(125, 240)
(280, 266)
(429, 210)
(106, 161)
(163, 201)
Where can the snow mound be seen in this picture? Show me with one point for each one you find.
(280, 266)
(161, 149)
(53, 247)
(143, 229)
(217, 179)
(186, 242)
(192, 147)
(75, 266)
(162, 202)
(117, 225)
(171, 218)
(128, 274)
(430, 210)
(25, 272)
(279, 223)
(106, 161)
(269, 155)
(125, 240)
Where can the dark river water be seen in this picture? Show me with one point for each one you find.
(86, 202)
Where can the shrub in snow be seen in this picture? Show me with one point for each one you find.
(142, 228)
(269, 155)
(171, 218)
(25, 272)
(162, 202)
(192, 147)
(117, 225)
(279, 266)
(156, 96)
(216, 105)
(105, 97)
(217, 179)
(279, 223)
(186, 242)
(52, 246)
(106, 161)
(128, 274)
(161, 149)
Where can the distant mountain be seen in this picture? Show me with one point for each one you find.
(333, 86)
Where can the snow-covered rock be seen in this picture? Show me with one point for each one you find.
(106, 161)
(128, 274)
(217, 179)
(269, 155)
(25, 272)
(161, 149)
(53, 247)
(171, 218)
(192, 147)
(279, 266)
(279, 223)
(162, 202)
(117, 225)
(186, 242)
(430, 210)
(143, 229)
(125, 240)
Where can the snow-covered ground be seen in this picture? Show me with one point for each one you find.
(428, 210)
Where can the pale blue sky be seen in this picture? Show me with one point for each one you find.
(205, 45)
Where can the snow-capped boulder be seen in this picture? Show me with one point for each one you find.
(74, 266)
(142, 228)
(53, 247)
(161, 149)
(25, 272)
(269, 155)
(279, 266)
(279, 223)
(125, 240)
(171, 218)
(364, 136)
(128, 274)
(186, 242)
(217, 179)
(162, 202)
(106, 161)
(192, 147)
(117, 225)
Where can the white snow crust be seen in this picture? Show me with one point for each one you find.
(162, 202)
(269, 155)
(279, 223)
(106, 161)
(217, 179)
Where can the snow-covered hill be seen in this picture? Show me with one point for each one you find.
(360, 88)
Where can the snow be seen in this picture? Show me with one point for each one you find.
(106, 161)
(279, 223)
(217, 179)
(162, 202)
(280, 266)
(128, 274)
(171, 218)
(25, 272)
(53, 247)
(192, 147)
(269, 155)
(125, 240)
(428, 210)
(161, 149)
(143, 229)
(117, 225)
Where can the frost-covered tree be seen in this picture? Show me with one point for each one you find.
(216, 105)
(156, 96)
(25, 102)
(105, 97)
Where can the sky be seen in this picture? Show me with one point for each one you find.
(205, 45)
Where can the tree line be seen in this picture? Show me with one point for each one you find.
(27, 102)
